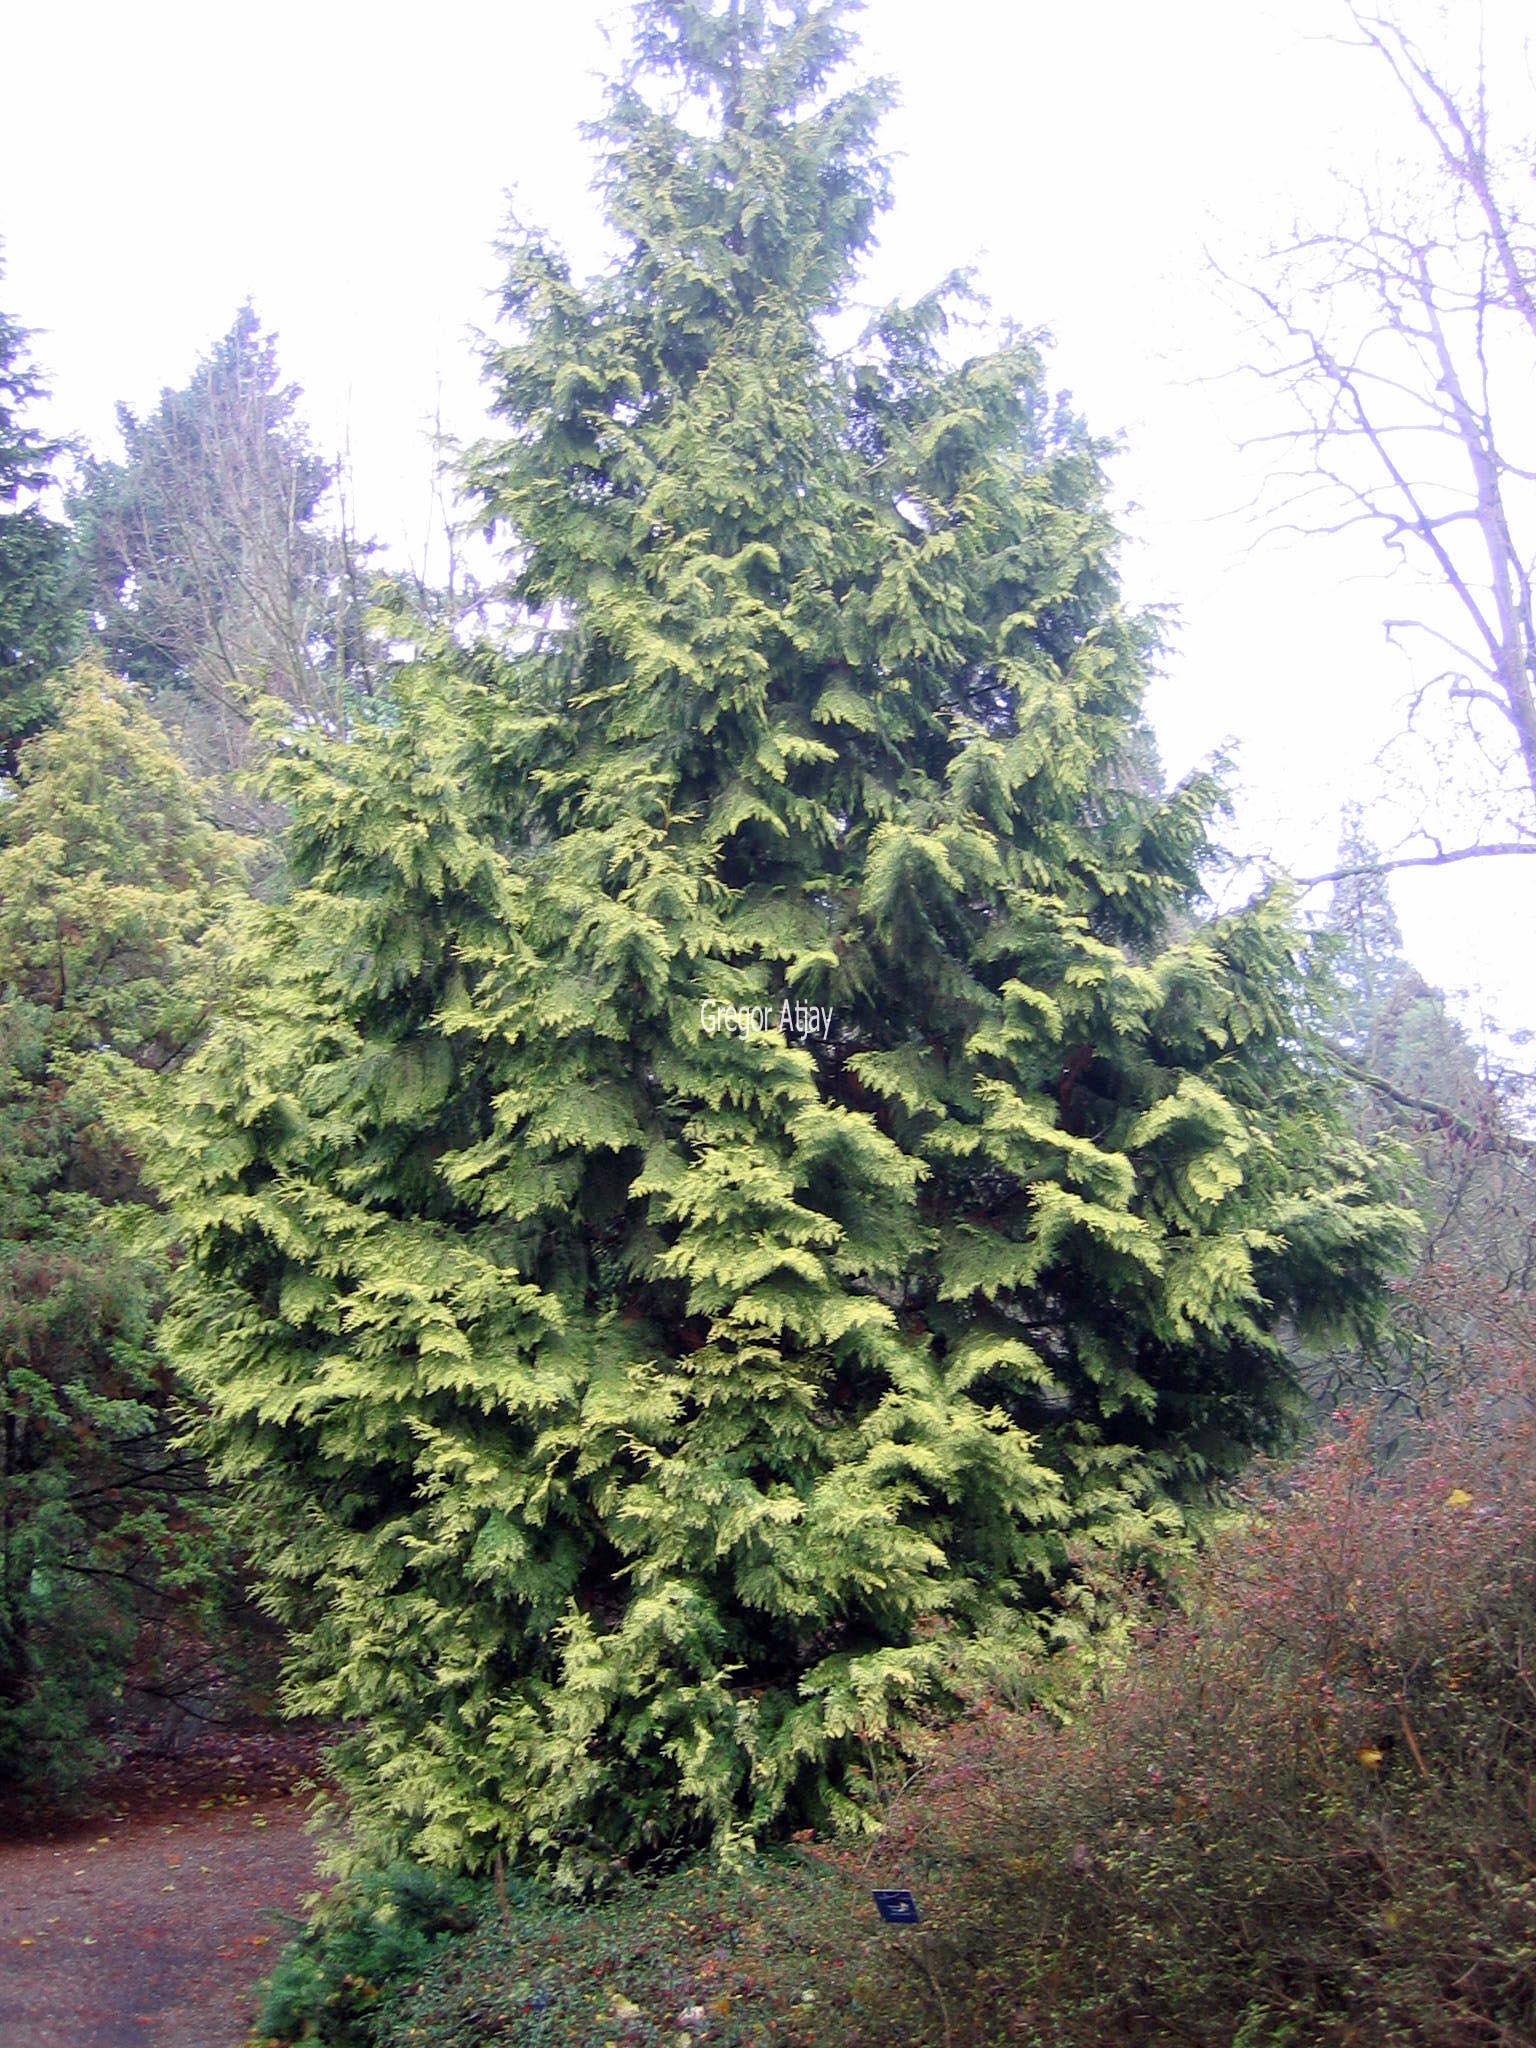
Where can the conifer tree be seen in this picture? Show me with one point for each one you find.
(645, 1418)
(37, 610)
(1423, 1087)
(212, 565)
(1395, 1027)
(108, 878)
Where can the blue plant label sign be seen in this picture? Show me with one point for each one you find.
(900, 1908)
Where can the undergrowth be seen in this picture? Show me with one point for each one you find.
(1302, 1815)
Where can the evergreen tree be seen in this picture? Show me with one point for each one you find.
(1371, 971)
(1423, 1086)
(1389, 1018)
(37, 611)
(217, 582)
(644, 1419)
(107, 877)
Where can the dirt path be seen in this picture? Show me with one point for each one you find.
(147, 1925)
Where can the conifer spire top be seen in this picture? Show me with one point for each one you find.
(764, 151)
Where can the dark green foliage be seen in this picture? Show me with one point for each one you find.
(370, 1937)
(643, 1428)
(37, 607)
(218, 584)
(107, 878)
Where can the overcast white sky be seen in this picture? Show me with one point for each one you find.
(346, 166)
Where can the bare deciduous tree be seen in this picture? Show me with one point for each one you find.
(1406, 338)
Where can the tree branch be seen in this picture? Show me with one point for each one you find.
(1441, 858)
(1441, 1112)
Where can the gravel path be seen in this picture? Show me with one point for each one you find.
(147, 1925)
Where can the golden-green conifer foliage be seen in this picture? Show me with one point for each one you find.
(110, 879)
(641, 1426)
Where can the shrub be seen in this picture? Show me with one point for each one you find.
(376, 1931)
(1303, 1812)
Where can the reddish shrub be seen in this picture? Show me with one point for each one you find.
(1306, 1810)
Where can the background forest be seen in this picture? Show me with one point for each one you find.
(1057, 1432)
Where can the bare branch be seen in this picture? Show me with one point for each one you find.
(1405, 340)
(1492, 1138)
(1389, 864)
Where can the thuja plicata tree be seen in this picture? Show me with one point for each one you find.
(644, 1419)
